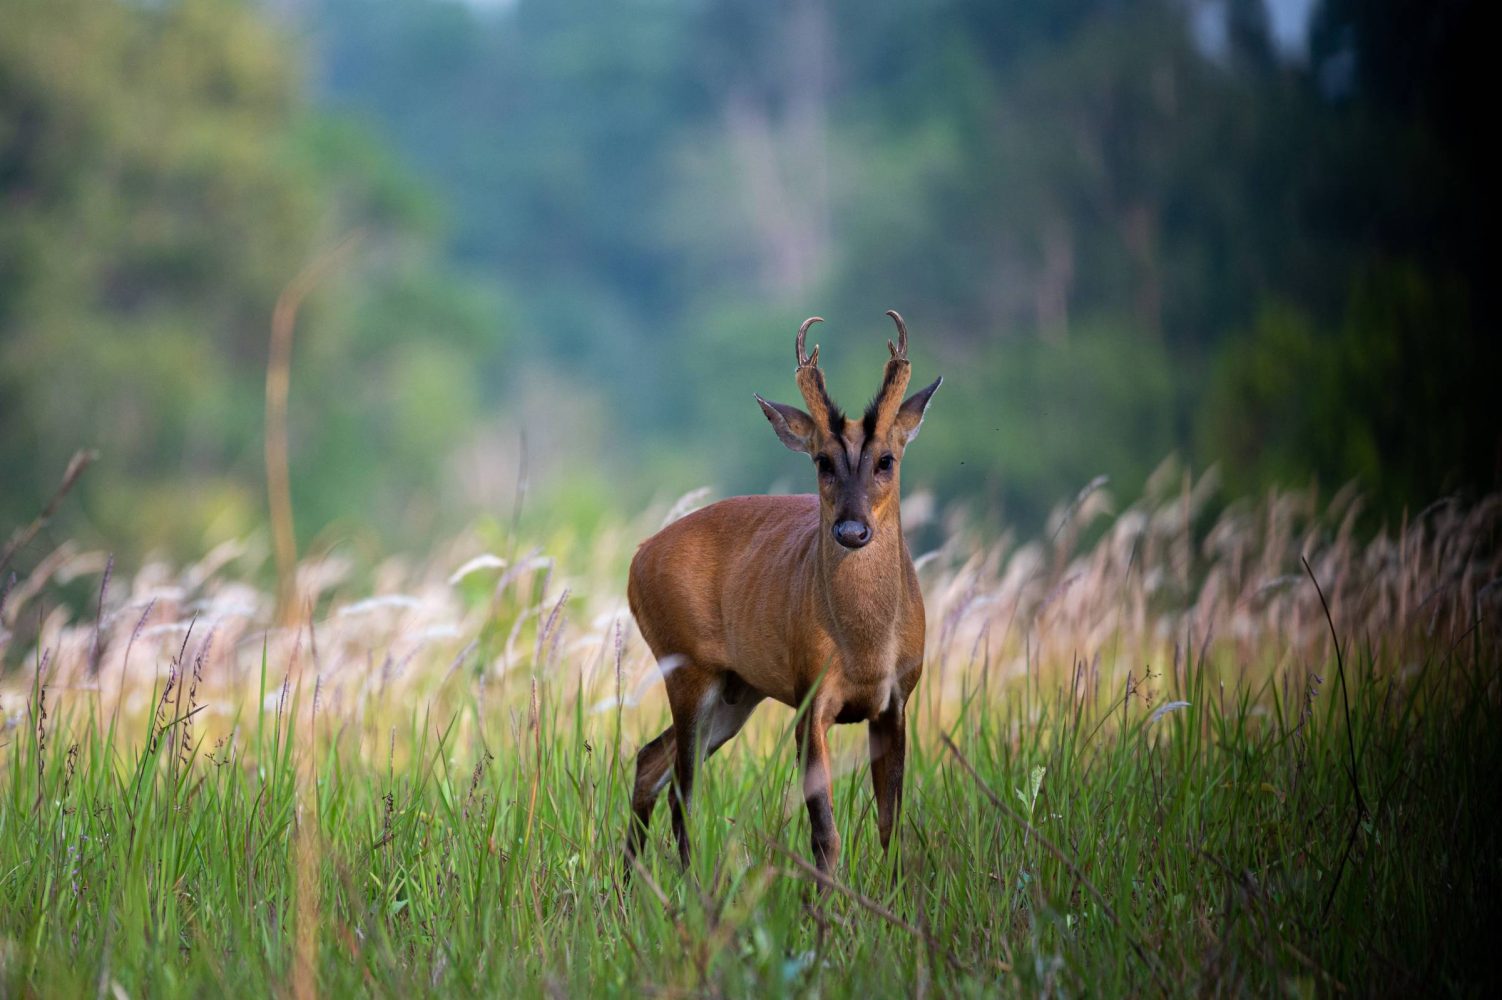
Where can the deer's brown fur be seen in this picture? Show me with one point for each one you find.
(808, 598)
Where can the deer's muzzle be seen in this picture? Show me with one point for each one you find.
(852, 534)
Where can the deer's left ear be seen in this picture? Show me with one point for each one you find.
(910, 415)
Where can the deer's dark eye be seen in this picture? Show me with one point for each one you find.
(884, 464)
(824, 465)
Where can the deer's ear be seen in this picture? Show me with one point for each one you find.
(793, 426)
(910, 416)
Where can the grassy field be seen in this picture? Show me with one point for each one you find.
(1141, 764)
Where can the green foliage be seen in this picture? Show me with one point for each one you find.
(1268, 394)
(1397, 399)
(151, 210)
(1038, 419)
(163, 184)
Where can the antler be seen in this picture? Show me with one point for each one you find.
(883, 409)
(811, 383)
(807, 361)
(900, 351)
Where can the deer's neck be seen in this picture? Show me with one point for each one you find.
(864, 589)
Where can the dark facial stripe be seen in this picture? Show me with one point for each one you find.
(836, 419)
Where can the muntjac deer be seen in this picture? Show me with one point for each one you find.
(798, 598)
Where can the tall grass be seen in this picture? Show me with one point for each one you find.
(1145, 759)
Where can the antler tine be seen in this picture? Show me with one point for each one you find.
(805, 360)
(900, 350)
(883, 409)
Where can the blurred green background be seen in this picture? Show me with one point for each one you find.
(1254, 234)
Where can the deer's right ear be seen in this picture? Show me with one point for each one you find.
(793, 426)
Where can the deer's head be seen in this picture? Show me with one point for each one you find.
(857, 461)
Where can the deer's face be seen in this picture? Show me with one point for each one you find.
(857, 477)
(856, 462)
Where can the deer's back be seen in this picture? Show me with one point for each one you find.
(752, 550)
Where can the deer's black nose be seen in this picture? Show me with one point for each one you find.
(852, 534)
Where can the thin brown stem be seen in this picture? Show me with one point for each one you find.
(278, 383)
(22, 536)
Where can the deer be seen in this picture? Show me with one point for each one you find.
(811, 600)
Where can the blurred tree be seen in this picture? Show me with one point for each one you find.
(1393, 399)
(160, 184)
(152, 205)
(1387, 373)
(1001, 171)
(544, 125)
(1118, 226)
(1035, 421)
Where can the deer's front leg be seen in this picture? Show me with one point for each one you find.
(813, 753)
(887, 738)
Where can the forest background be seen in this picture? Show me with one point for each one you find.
(560, 243)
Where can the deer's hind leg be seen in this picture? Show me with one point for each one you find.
(729, 713)
(654, 765)
(712, 707)
(709, 707)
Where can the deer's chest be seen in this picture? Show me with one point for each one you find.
(863, 685)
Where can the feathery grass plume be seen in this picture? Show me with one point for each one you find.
(104, 589)
(5, 588)
(38, 710)
(186, 745)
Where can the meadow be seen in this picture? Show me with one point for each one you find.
(1173, 745)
